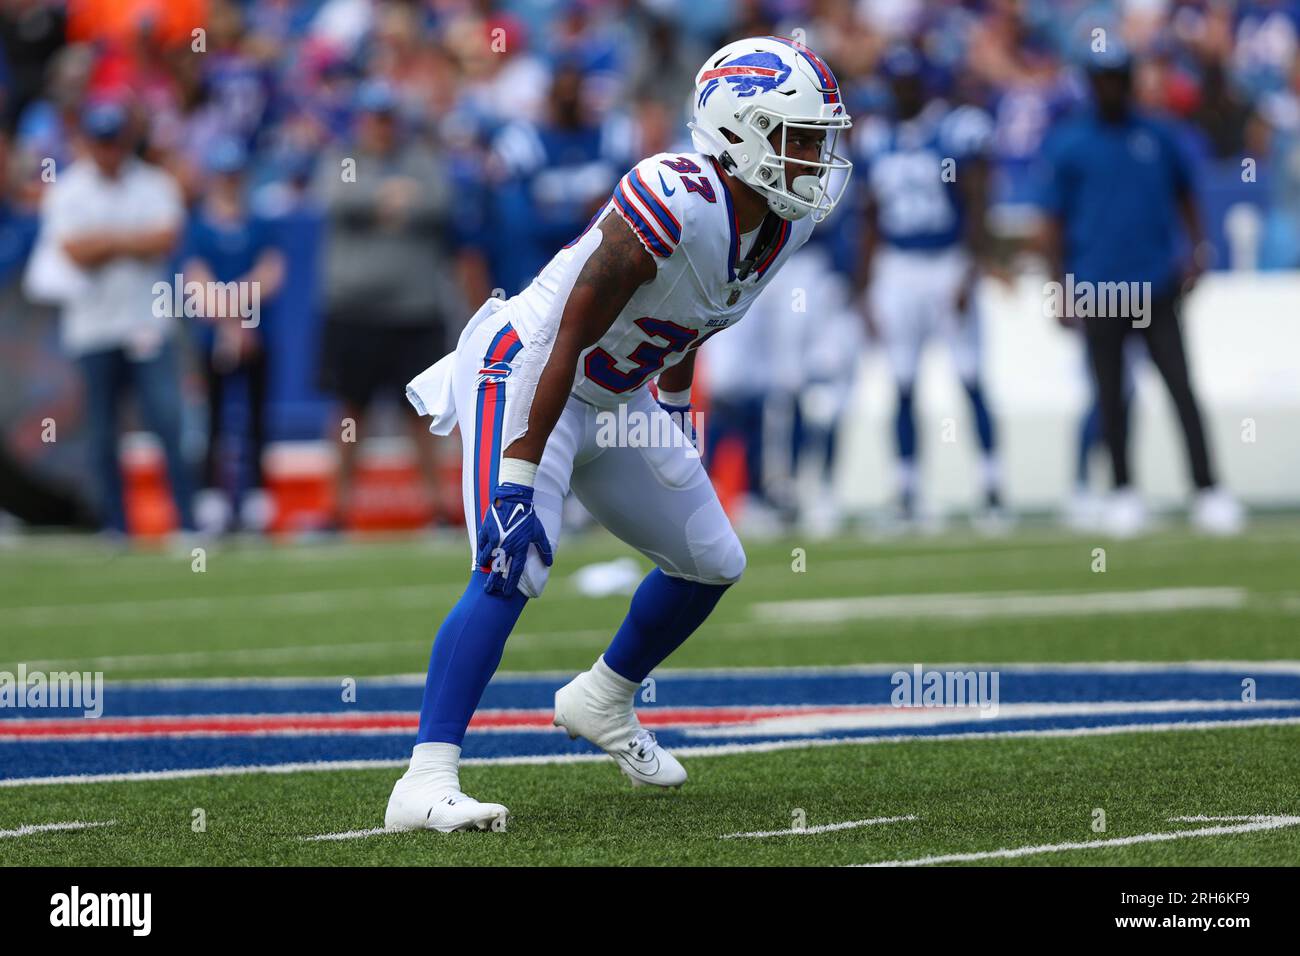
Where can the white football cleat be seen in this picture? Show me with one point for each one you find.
(212, 511)
(612, 726)
(1215, 512)
(1084, 512)
(257, 510)
(413, 807)
(1126, 515)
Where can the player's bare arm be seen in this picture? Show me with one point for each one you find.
(619, 266)
(678, 378)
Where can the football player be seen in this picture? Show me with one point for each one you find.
(924, 177)
(679, 252)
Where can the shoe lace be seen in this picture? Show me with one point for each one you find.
(643, 742)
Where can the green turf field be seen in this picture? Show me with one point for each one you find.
(967, 797)
(332, 609)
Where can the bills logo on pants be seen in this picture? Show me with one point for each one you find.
(489, 415)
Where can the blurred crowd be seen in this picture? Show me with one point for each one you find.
(485, 132)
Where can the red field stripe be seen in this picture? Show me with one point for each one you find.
(241, 724)
(204, 724)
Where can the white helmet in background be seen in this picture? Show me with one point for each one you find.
(751, 88)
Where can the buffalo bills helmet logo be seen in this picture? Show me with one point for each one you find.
(748, 74)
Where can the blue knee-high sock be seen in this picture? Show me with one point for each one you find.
(983, 421)
(905, 425)
(665, 612)
(465, 655)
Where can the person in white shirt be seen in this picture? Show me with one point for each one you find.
(112, 220)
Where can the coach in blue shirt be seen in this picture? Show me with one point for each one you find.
(1121, 214)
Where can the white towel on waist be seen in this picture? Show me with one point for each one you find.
(430, 394)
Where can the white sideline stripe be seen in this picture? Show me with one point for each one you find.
(824, 828)
(1255, 824)
(332, 599)
(351, 834)
(325, 600)
(997, 604)
(900, 717)
(719, 750)
(27, 829)
(1279, 666)
(293, 652)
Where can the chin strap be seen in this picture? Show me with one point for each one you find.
(763, 243)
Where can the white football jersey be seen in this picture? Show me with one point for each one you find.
(678, 205)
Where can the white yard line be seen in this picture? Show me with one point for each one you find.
(824, 828)
(981, 604)
(1252, 825)
(264, 655)
(197, 606)
(28, 829)
(719, 750)
(321, 601)
(351, 834)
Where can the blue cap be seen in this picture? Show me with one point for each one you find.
(226, 156)
(295, 163)
(376, 96)
(901, 61)
(103, 120)
(1114, 58)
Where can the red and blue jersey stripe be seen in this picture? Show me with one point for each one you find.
(663, 216)
(648, 215)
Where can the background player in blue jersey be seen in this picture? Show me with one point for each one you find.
(923, 243)
(552, 175)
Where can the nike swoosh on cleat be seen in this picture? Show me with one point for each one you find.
(637, 770)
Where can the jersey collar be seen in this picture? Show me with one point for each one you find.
(733, 248)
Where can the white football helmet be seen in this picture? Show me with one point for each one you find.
(751, 88)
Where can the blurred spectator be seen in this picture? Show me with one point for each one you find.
(107, 226)
(226, 243)
(553, 176)
(535, 106)
(1119, 191)
(31, 33)
(392, 298)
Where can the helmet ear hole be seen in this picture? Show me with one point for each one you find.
(731, 137)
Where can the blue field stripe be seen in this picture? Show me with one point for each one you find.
(1016, 686)
(58, 758)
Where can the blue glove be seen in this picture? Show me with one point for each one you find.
(508, 528)
(681, 414)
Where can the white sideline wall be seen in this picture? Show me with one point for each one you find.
(1243, 336)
